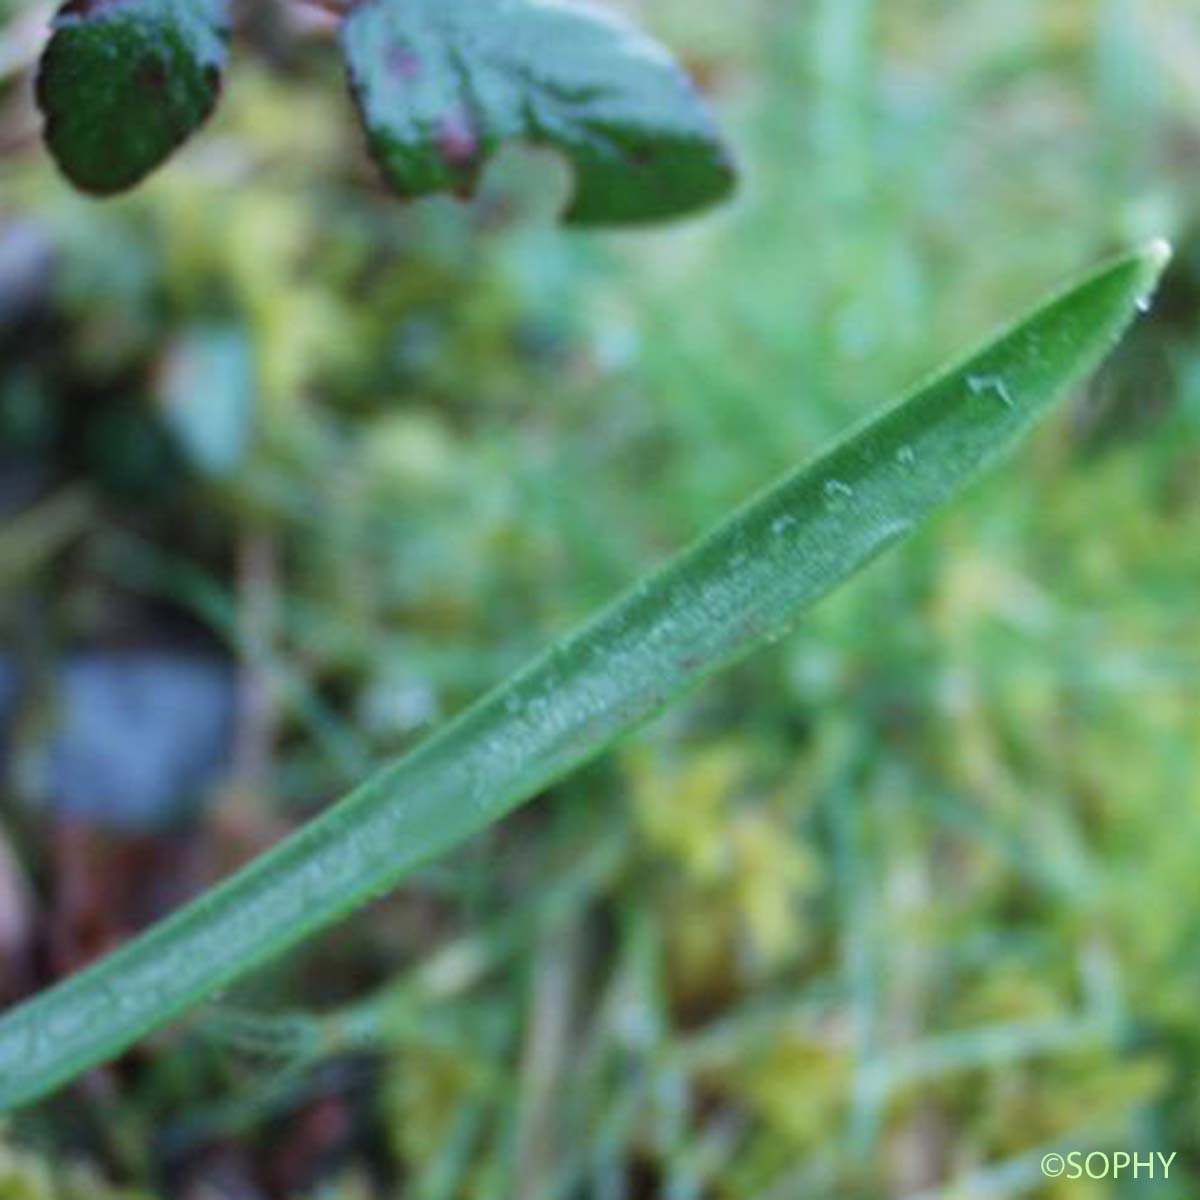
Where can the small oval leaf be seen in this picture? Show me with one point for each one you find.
(124, 82)
(441, 84)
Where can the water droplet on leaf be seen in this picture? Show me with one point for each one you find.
(981, 384)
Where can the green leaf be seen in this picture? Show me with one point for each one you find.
(442, 83)
(124, 82)
(206, 394)
(729, 593)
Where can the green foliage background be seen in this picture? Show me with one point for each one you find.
(891, 910)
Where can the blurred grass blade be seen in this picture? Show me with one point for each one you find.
(735, 589)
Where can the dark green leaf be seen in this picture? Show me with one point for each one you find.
(124, 82)
(442, 83)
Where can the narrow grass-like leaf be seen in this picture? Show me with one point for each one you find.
(731, 591)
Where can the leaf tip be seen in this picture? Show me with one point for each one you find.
(1158, 253)
(1150, 262)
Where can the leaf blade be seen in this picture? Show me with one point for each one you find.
(712, 604)
(441, 84)
(123, 83)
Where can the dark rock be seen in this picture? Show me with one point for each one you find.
(143, 738)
